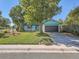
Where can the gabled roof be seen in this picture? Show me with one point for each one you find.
(51, 23)
(44, 21)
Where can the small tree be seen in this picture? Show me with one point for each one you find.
(16, 13)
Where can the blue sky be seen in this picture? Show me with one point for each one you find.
(67, 5)
(6, 5)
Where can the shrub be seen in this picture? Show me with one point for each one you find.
(5, 31)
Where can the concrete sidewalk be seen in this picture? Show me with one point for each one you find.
(38, 52)
(37, 49)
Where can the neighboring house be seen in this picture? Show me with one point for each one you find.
(51, 26)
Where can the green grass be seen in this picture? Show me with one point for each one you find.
(24, 38)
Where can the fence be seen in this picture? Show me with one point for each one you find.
(71, 28)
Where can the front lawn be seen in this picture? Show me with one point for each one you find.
(25, 38)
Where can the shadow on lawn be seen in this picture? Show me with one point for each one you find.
(44, 39)
(42, 34)
(2, 35)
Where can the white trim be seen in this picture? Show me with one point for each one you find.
(43, 28)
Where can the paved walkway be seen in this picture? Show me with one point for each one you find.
(61, 38)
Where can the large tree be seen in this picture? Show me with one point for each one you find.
(37, 11)
(73, 16)
(3, 20)
(0, 17)
(16, 13)
(72, 20)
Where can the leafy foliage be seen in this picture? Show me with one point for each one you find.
(72, 21)
(37, 11)
(16, 13)
(3, 20)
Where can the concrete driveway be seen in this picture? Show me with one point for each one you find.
(61, 38)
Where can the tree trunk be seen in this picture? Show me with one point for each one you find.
(41, 29)
(20, 27)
